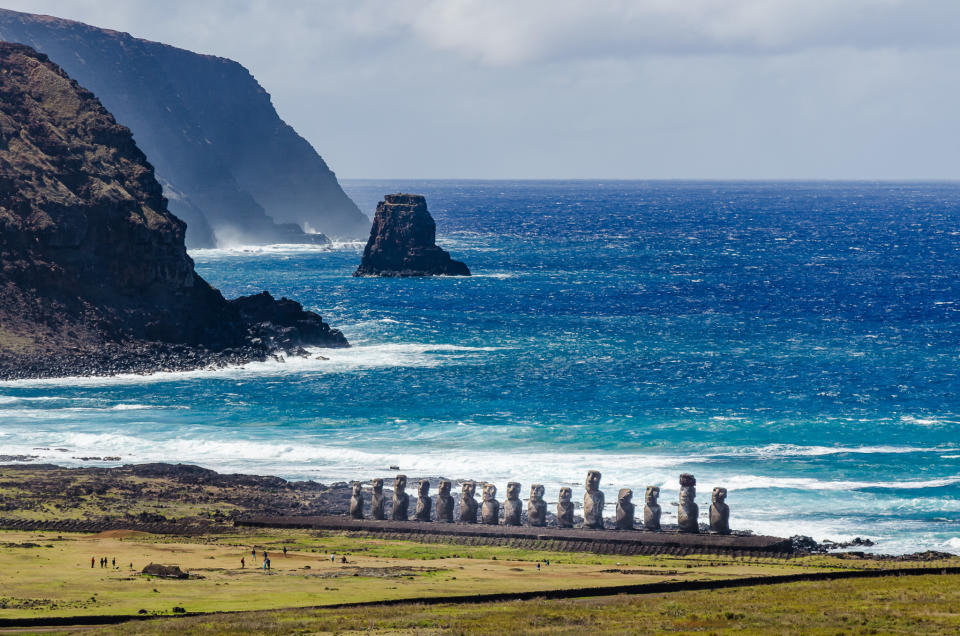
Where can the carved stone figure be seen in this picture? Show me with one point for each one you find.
(512, 507)
(651, 511)
(565, 508)
(593, 501)
(424, 505)
(537, 507)
(687, 510)
(376, 504)
(490, 510)
(444, 502)
(356, 501)
(719, 512)
(625, 509)
(468, 505)
(401, 500)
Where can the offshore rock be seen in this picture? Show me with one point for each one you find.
(94, 275)
(536, 506)
(445, 501)
(490, 511)
(652, 511)
(403, 242)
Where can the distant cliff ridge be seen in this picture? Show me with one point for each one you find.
(94, 274)
(403, 242)
(230, 167)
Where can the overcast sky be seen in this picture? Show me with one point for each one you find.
(863, 89)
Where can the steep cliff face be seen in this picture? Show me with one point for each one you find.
(95, 276)
(403, 242)
(230, 167)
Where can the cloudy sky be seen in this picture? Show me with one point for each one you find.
(861, 89)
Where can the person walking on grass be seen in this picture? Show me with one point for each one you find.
(243, 563)
(284, 552)
(91, 562)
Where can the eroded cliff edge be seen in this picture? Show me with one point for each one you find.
(229, 166)
(403, 242)
(95, 277)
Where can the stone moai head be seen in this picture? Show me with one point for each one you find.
(468, 490)
(625, 496)
(357, 489)
(566, 494)
(593, 481)
(719, 495)
(489, 492)
(400, 484)
(653, 493)
(513, 490)
(378, 485)
(444, 487)
(423, 488)
(537, 491)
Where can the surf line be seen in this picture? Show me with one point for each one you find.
(577, 592)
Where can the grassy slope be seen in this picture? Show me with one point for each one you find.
(923, 604)
(54, 578)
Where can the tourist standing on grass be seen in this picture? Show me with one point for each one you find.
(92, 561)
(243, 563)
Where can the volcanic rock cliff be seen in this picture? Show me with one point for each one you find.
(403, 242)
(230, 167)
(95, 277)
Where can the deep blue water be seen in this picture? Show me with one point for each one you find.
(795, 342)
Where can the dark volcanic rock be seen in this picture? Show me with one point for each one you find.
(403, 242)
(231, 168)
(165, 571)
(95, 277)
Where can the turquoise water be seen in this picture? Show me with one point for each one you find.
(797, 343)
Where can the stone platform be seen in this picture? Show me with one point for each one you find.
(548, 538)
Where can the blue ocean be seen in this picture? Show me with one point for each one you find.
(797, 343)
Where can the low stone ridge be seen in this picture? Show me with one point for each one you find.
(165, 571)
(403, 242)
(95, 278)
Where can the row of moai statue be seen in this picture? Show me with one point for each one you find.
(593, 503)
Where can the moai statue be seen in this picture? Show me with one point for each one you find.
(687, 510)
(720, 512)
(444, 502)
(468, 505)
(651, 511)
(593, 502)
(512, 507)
(356, 501)
(625, 509)
(565, 508)
(376, 504)
(490, 510)
(537, 507)
(401, 500)
(423, 501)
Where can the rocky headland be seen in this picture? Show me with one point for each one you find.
(229, 166)
(403, 242)
(95, 276)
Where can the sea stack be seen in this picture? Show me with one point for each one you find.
(403, 242)
(95, 278)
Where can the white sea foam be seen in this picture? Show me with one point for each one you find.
(743, 482)
(793, 450)
(319, 360)
(278, 249)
